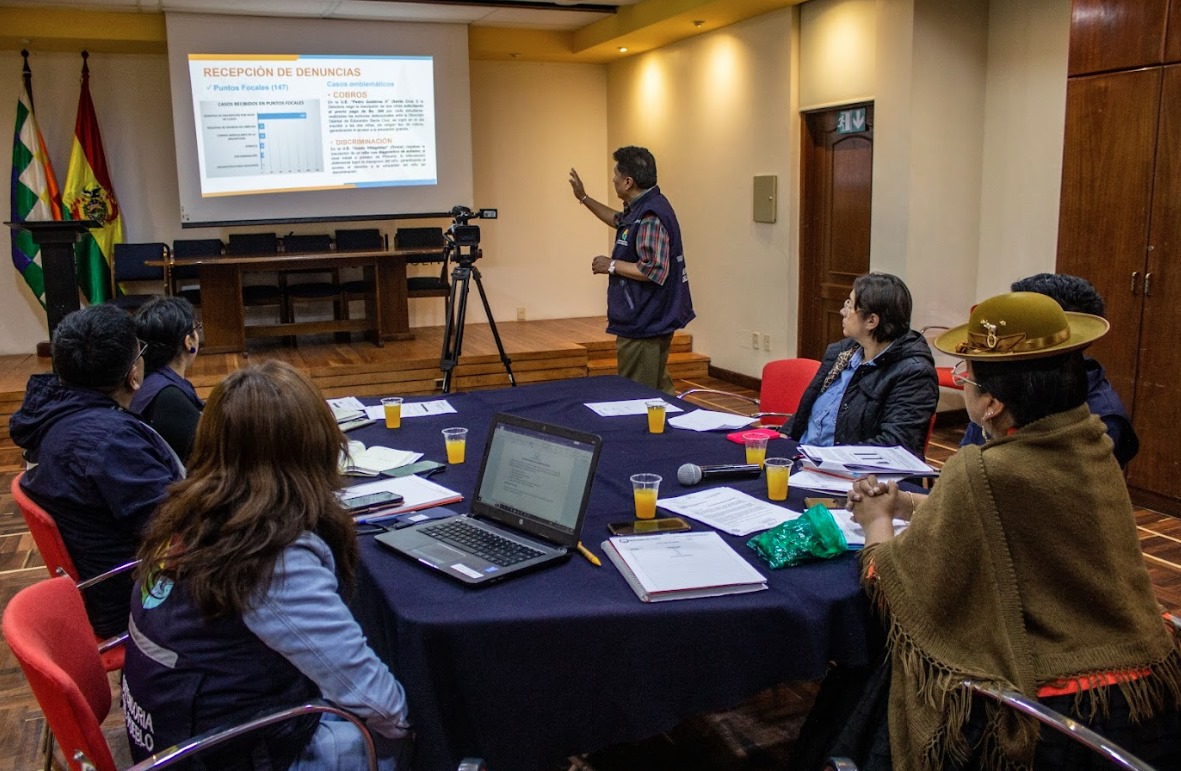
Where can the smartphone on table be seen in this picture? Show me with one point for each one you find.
(645, 526)
(383, 499)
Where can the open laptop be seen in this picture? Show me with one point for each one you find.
(528, 508)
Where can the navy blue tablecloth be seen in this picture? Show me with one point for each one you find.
(567, 659)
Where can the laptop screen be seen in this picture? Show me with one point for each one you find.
(536, 477)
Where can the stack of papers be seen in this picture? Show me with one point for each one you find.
(709, 420)
(628, 407)
(417, 493)
(369, 462)
(680, 566)
(854, 460)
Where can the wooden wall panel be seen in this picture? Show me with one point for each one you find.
(1173, 33)
(1107, 167)
(1116, 34)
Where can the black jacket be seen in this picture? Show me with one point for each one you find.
(888, 403)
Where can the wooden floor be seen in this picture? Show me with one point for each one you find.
(754, 736)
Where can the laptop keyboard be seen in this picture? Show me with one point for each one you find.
(478, 541)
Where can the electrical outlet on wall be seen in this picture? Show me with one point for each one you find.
(766, 342)
(754, 340)
(520, 314)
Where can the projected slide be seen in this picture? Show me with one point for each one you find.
(267, 124)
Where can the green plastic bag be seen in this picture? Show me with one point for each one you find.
(814, 535)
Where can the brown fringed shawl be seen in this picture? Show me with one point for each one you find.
(1022, 568)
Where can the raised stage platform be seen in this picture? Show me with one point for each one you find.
(540, 350)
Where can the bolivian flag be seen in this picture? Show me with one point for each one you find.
(34, 188)
(89, 195)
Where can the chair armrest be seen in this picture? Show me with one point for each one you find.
(113, 642)
(1059, 722)
(839, 764)
(126, 566)
(692, 391)
(212, 738)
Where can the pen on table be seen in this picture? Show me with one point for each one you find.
(590, 555)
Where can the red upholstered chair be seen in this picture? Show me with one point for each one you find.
(42, 626)
(784, 383)
(59, 563)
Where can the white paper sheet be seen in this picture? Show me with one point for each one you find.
(416, 492)
(413, 409)
(809, 479)
(628, 407)
(709, 420)
(854, 535)
(728, 509)
(864, 458)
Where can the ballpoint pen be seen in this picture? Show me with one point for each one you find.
(590, 556)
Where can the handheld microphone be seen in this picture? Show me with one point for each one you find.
(690, 473)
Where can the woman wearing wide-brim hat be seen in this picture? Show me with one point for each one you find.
(1022, 568)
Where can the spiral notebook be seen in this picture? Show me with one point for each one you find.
(682, 566)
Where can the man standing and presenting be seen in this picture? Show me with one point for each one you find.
(647, 287)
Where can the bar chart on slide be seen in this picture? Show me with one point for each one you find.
(289, 142)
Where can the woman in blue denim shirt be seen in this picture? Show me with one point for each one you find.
(238, 607)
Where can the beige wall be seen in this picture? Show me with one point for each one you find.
(716, 111)
(968, 136)
(1025, 112)
(838, 45)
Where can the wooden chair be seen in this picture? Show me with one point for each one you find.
(325, 287)
(425, 238)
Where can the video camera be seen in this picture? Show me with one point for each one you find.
(461, 233)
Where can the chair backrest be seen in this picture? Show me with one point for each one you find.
(185, 248)
(307, 244)
(248, 244)
(359, 240)
(418, 238)
(1099, 744)
(130, 258)
(784, 383)
(45, 626)
(45, 534)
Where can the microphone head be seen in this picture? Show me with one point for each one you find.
(689, 474)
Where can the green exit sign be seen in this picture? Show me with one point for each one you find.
(851, 121)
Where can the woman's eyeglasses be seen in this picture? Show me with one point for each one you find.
(959, 375)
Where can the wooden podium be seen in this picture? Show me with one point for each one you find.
(58, 263)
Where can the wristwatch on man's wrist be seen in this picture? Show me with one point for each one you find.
(611, 268)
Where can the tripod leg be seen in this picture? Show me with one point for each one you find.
(495, 332)
(453, 334)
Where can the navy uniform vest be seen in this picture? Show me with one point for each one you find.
(184, 675)
(644, 308)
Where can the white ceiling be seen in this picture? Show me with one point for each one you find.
(551, 17)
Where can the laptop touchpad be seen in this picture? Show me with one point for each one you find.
(440, 553)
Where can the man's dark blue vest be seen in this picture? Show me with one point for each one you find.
(644, 308)
(184, 675)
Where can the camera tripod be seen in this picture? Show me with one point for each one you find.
(461, 276)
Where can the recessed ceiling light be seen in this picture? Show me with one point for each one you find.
(623, 49)
(699, 23)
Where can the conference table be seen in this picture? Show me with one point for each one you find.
(387, 315)
(566, 659)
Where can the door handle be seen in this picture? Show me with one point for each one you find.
(1135, 276)
(1148, 284)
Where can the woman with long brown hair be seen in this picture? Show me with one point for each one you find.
(239, 605)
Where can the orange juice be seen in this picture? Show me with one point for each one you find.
(656, 417)
(393, 414)
(645, 502)
(756, 454)
(456, 449)
(777, 477)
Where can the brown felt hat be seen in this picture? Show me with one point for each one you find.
(1020, 325)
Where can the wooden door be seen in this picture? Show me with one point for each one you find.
(1157, 407)
(1116, 34)
(1107, 168)
(1173, 38)
(836, 187)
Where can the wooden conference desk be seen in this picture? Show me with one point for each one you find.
(387, 316)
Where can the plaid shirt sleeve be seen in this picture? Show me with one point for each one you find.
(651, 239)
